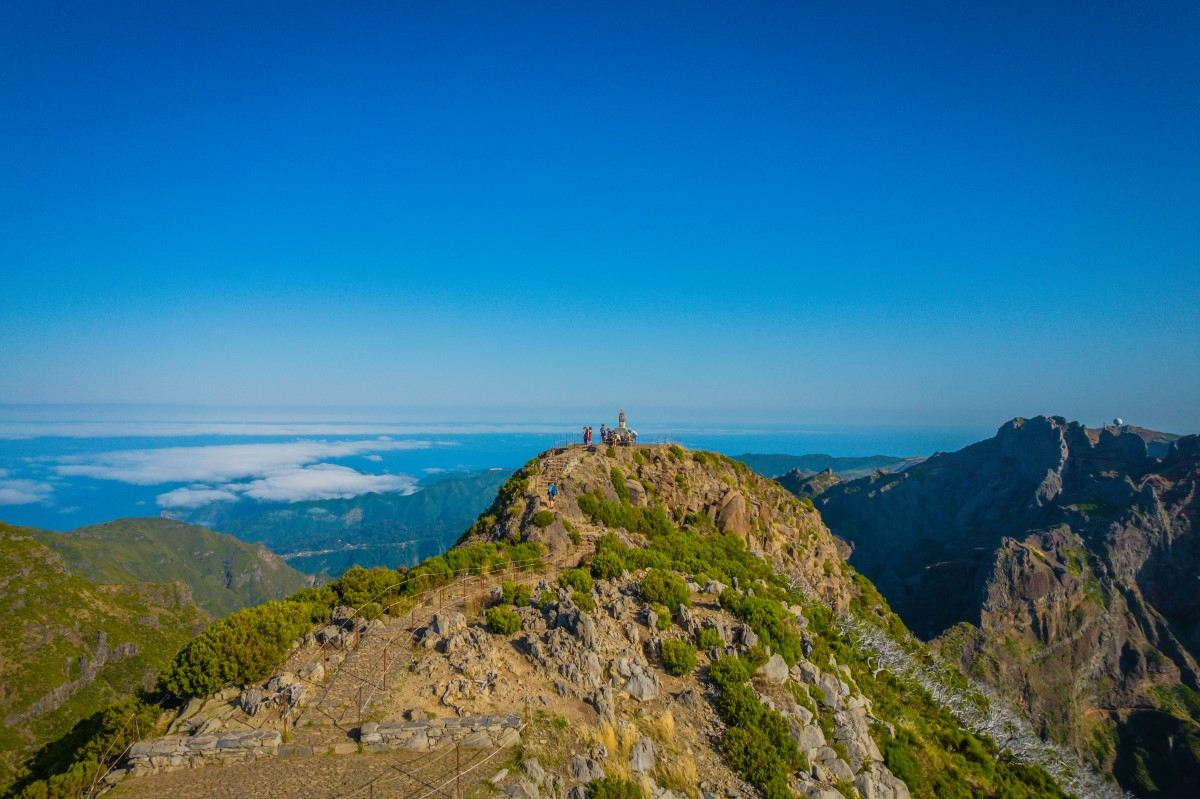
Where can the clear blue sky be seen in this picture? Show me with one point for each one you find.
(954, 213)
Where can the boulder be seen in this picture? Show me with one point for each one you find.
(584, 769)
(731, 515)
(642, 757)
(775, 670)
(447, 623)
(534, 771)
(642, 687)
(879, 783)
(251, 700)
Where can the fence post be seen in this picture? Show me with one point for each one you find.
(458, 771)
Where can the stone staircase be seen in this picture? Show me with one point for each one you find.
(365, 677)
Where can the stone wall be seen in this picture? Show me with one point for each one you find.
(192, 751)
(479, 732)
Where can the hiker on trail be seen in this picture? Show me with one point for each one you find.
(552, 494)
(603, 434)
(585, 441)
(588, 436)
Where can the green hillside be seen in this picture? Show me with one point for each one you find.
(223, 573)
(71, 647)
(331, 535)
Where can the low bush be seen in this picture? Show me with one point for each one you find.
(614, 788)
(240, 648)
(617, 477)
(708, 637)
(662, 616)
(584, 601)
(546, 598)
(607, 565)
(665, 588)
(758, 743)
(679, 657)
(358, 586)
(544, 518)
(67, 767)
(503, 620)
(769, 619)
(579, 579)
(518, 594)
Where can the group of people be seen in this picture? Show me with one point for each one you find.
(610, 436)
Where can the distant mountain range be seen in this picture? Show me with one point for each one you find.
(89, 616)
(1061, 564)
(808, 465)
(391, 529)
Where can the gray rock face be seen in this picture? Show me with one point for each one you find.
(584, 769)
(643, 756)
(775, 670)
(534, 771)
(642, 687)
(448, 623)
(880, 783)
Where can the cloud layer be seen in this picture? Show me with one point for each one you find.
(23, 492)
(320, 481)
(219, 462)
(276, 472)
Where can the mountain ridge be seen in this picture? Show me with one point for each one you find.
(1058, 563)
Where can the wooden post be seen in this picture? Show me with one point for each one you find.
(360, 707)
(458, 771)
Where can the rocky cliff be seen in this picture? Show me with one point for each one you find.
(1060, 564)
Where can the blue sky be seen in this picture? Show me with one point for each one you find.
(947, 214)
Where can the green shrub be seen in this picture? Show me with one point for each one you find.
(584, 601)
(243, 647)
(751, 755)
(729, 670)
(665, 588)
(662, 616)
(614, 788)
(544, 518)
(618, 483)
(708, 637)
(518, 594)
(67, 767)
(679, 657)
(579, 579)
(547, 598)
(675, 452)
(357, 586)
(503, 620)
(607, 565)
(371, 611)
(611, 452)
(769, 619)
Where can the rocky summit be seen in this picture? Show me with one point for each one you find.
(667, 624)
(1059, 564)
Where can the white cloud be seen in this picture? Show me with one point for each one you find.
(324, 481)
(217, 463)
(320, 481)
(24, 492)
(194, 496)
(374, 458)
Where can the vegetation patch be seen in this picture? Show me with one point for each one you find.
(614, 788)
(243, 647)
(758, 742)
(544, 518)
(679, 657)
(503, 620)
(665, 588)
